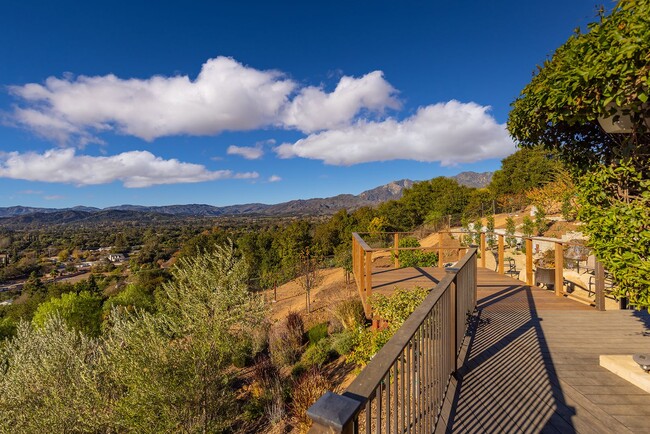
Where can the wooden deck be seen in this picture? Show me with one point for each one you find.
(531, 363)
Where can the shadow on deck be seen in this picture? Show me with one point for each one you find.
(531, 361)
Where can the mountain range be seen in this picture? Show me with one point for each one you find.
(301, 207)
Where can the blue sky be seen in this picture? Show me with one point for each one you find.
(229, 102)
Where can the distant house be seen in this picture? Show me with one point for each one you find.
(116, 257)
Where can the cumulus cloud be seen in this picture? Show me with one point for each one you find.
(248, 152)
(449, 133)
(274, 178)
(225, 95)
(134, 169)
(313, 109)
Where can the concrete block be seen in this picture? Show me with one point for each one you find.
(627, 369)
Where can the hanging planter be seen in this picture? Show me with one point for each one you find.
(620, 122)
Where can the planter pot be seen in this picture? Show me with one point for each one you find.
(545, 276)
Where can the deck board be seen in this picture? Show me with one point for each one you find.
(532, 363)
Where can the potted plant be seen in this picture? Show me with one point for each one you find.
(545, 270)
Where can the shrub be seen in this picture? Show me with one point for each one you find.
(317, 354)
(415, 258)
(284, 350)
(295, 326)
(317, 332)
(395, 310)
(350, 313)
(510, 232)
(306, 391)
(268, 391)
(285, 341)
(343, 343)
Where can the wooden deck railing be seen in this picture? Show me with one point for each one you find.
(403, 387)
(558, 273)
(363, 256)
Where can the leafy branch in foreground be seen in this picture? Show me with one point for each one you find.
(162, 372)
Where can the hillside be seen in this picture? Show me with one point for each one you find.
(17, 215)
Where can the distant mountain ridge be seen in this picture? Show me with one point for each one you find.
(300, 207)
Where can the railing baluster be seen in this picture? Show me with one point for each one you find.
(418, 359)
(379, 396)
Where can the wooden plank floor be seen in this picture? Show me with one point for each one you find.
(531, 363)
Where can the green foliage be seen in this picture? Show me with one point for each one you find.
(350, 313)
(162, 372)
(478, 228)
(528, 227)
(8, 328)
(438, 197)
(343, 343)
(540, 221)
(317, 354)
(132, 297)
(394, 310)
(82, 312)
(51, 381)
(587, 78)
(522, 171)
(415, 258)
(615, 206)
(317, 332)
(490, 238)
(510, 239)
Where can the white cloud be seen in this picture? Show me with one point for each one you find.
(134, 169)
(225, 95)
(248, 152)
(54, 197)
(313, 109)
(449, 133)
(274, 178)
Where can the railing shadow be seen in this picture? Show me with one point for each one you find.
(508, 382)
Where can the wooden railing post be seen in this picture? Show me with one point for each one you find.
(368, 275)
(501, 254)
(559, 269)
(600, 286)
(441, 252)
(529, 261)
(396, 246)
(483, 249)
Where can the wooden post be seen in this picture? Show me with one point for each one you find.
(368, 274)
(500, 255)
(559, 269)
(529, 261)
(441, 252)
(483, 249)
(600, 286)
(396, 246)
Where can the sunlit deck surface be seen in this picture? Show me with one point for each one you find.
(532, 361)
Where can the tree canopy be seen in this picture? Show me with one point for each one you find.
(587, 78)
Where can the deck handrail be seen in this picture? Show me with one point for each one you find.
(362, 259)
(404, 385)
